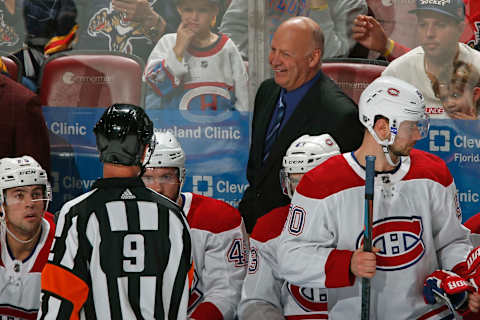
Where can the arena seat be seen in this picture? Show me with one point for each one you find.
(14, 66)
(92, 79)
(353, 75)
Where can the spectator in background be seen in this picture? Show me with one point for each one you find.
(335, 18)
(196, 69)
(265, 296)
(219, 240)
(371, 34)
(299, 100)
(22, 125)
(51, 28)
(440, 25)
(26, 235)
(12, 30)
(461, 97)
(128, 26)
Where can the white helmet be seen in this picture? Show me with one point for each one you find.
(167, 153)
(395, 100)
(304, 154)
(23, 171)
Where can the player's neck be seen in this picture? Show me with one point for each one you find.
(111, 170)
(370, 147)
(21, 251)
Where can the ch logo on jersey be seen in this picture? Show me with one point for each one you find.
(399, 240)
(309, 299)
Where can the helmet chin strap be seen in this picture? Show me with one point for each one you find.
(385, 147)
(386, 151)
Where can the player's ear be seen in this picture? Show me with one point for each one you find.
(382, 128)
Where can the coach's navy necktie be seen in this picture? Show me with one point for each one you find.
(276, 124)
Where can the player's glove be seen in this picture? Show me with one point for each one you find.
(448, 287)
(473, 268)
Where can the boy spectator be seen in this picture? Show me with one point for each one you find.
(196, 69)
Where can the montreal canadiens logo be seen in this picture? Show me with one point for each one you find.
(399, 240)
(393, 92)
(309, 299)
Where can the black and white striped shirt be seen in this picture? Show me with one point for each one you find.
(121, 251)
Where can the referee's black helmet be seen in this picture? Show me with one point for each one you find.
(122, 133)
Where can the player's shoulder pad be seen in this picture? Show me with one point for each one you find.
(425, 165)
(212, 215)
(330, 177)
(270, 225)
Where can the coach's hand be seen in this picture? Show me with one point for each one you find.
(364, 264)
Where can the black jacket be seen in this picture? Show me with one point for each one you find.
(324, 109)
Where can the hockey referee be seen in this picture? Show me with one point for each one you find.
(121, 251)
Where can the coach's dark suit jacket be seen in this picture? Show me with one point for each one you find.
(22, 126)
(324, 109)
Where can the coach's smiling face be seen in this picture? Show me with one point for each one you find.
(293, 56)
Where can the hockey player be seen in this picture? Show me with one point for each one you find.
(26, 235)
(196, 70)
(121, 250)
(217, 229)
(417, 232)
(264, 294)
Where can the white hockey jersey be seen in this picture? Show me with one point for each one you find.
(20, 280)
(263, 288)
(219, 244)
(416, 226)
(211, 79)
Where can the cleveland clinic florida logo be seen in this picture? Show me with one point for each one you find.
(439, 140)
(203, 185)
